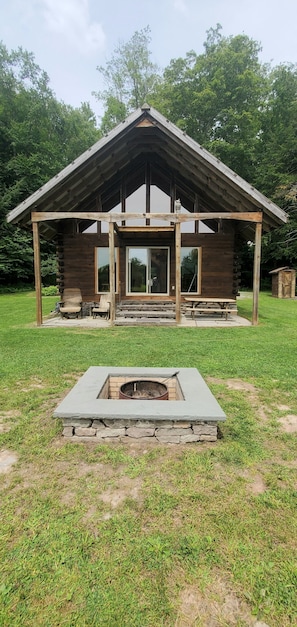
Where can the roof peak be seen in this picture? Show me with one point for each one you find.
(145, 107)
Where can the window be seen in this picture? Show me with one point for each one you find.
(148, 270)
(190, 270)
(102, 269)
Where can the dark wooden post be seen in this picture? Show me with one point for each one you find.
(256, 274)
(111, 272)
(36, 247)
(147, 192)
(177, 272)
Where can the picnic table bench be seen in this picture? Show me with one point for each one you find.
(200, 305)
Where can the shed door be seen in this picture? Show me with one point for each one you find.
(287, 282)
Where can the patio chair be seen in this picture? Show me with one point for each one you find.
(103, 307)
(71, 303)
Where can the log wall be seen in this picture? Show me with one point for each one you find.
(76, 254)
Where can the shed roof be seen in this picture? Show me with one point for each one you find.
(145, 137)
(282, 269)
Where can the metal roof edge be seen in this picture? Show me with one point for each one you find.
(63, 174)
(219, 165)
(147, 111)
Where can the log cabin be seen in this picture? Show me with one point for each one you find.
(147, 214)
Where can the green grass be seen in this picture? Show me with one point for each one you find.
(116, 535)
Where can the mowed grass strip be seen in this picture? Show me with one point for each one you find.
(143, 535)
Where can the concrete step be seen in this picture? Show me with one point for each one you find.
(132, 322)
(127, 313)
(146, 306)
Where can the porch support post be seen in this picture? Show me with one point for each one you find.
(36, 248)
(111, 272)
(256, 274)
(147, 192)
(177, 272)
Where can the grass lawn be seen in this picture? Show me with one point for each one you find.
(149, 535)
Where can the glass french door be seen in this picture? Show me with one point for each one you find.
(148, 270)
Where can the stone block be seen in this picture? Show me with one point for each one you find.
(108, 432)
(161, 424)
(114, 422)
(98, 423)
(173, 432)
(85, 432)
(168, 439)
(67, 432)
(189, 438)
(205, 429)
(77, 422)
(142, 424)
(181, 425)
(208, 438)
(140, 432)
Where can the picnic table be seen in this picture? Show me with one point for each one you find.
(199, 304)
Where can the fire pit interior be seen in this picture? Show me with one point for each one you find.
(141, 390)
(96, 410)
(128, 387)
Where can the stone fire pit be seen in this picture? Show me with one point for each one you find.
(93, 411)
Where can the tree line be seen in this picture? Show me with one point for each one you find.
(241, 110)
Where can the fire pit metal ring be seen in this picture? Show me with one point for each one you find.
(144, 390)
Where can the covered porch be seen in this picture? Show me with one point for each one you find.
(174, 230)
(181, 238)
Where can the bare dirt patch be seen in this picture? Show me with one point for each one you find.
(7, 419)
(7, 459)
(124, 488)
(34, 384)
(217, 605)
(283, 407)
(289, 423)
(247, 388)
(257, 485)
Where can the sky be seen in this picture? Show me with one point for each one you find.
(70, 38)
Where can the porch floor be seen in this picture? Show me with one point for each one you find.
(97, 323)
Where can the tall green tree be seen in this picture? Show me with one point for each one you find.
(130, 77)
(38, 137)
(276, 172)
(217, 96)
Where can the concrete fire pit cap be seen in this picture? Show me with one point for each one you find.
(83, 400)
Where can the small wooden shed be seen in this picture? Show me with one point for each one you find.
(283, 282)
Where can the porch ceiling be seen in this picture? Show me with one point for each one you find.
(146, 143)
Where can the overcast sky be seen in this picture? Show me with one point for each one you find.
(69, 38)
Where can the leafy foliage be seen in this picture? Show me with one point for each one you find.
(216, 97)
(38, 137)
(130, 76)
(245, 113)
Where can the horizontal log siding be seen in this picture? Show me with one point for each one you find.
(217, 262)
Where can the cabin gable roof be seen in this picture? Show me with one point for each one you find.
(145, 139)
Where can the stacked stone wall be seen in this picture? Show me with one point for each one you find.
(164, 431)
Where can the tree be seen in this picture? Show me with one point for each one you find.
(38, 137)
(130, 76)
(245, 113)
(217, 96)
(276, 173)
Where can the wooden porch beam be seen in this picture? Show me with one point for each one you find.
(177, 273)
(37, 272)
(256, 274)
(111, 273)
(247, 216)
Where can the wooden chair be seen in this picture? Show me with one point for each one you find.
(103, 307)
(71, 303)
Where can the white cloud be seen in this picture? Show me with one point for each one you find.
(181, 7)
(71, 20)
